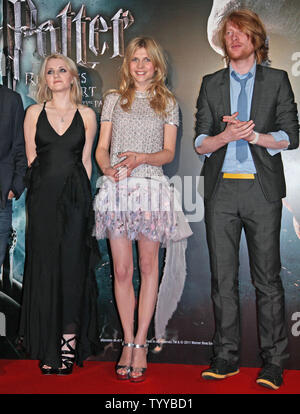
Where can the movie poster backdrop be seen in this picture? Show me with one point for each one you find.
(94, 34)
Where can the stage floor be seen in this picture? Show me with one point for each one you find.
(23, 377)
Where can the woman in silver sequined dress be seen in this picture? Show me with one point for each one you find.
(135, 200)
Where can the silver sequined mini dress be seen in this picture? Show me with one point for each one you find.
(145, 203)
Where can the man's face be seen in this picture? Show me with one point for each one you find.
(238, 44)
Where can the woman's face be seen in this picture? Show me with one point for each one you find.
(58, 75)
(141, 69)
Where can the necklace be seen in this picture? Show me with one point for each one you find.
(62, 116)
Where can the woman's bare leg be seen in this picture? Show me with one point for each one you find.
(121, 249)
(148, 262)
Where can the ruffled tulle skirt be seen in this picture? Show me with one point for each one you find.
(139, 206)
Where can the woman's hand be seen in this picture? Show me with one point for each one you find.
(110, 172)
(10, 195)
(125, 167)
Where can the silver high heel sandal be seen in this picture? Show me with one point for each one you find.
(126, 368)
(140, 373)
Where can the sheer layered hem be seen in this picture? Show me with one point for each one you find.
(139, 206)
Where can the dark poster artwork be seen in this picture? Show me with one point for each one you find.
(94, 34)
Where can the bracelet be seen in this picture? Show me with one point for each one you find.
(254, 141)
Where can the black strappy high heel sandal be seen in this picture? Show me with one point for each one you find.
(125, 368)
(46, 369)
(67, 357)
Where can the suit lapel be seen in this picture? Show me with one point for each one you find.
(225, 91)
(257, 91)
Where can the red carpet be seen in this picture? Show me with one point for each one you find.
(24, 377)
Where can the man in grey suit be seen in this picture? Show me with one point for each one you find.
(13, 162)
(246, 116)
(13, 165)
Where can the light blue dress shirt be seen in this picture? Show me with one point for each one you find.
(231, 164)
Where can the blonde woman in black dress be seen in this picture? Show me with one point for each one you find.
(59, 301)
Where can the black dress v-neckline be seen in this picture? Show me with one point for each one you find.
(53, 129)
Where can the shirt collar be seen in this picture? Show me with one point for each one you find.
(252, 71)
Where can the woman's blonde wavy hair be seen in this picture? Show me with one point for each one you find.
(44, 94)
(250, 23)
(159, 94)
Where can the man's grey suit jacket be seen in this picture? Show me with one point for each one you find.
(273, 108)
(13, 162)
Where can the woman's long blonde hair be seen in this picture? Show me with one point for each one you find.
(159, 94)
(44, 94)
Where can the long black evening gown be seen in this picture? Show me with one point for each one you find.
(60, 292)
